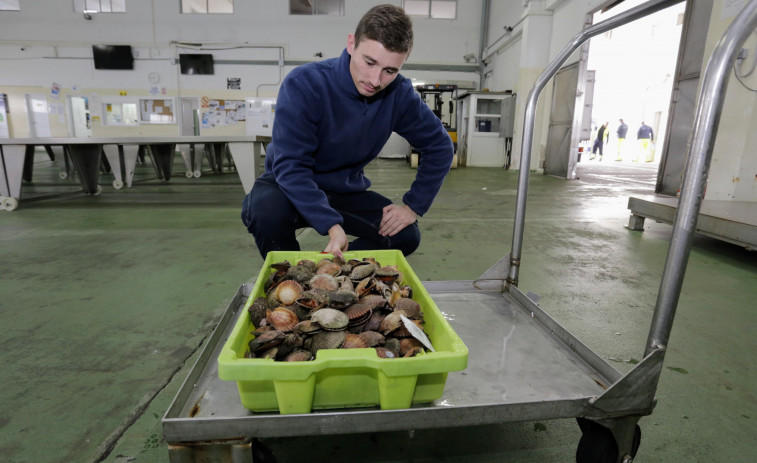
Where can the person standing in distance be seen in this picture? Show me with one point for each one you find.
(645, 135)
(621, 132)
(332, 119)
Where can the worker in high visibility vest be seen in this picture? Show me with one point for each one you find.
(645, 135)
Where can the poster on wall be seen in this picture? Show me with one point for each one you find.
(260, 113)
(222, 113)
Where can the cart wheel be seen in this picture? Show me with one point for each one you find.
(118, 184)
(597, 445)
(261, 453)
(413, 160)
(189, 174)
(198, 174)
(10, 203)
(63, 174)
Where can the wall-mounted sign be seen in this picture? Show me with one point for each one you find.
(234, 83)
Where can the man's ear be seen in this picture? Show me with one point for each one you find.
(350, 43)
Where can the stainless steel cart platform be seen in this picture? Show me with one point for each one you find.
(522, 365)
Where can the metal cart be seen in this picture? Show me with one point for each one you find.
(510, 375)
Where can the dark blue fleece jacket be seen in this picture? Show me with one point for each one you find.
(325, 133)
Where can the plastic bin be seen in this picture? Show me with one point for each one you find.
(342, 378)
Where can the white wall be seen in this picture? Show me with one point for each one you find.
(733, 171)
(46, 43)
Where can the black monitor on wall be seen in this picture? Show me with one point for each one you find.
(196, 63)
(113, 56)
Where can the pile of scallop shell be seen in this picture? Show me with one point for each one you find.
(333, 304)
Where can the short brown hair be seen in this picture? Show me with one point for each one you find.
(388, 25)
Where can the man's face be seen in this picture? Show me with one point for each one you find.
(372, 66)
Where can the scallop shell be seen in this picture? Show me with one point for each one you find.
(409, 344)
(388, 274)
(313, 299)
(327, 340)
(288, 292)
(307, 327)
(362, 270)
(262, 329)
(391, 322)
(257, 310)
(358, 313)
(375, 301)
(301, 273)
(385, 353)
(413, 352)
(411, 308)
(374, 323)
(282, 319)
(291, 341)
(323, 281)
(330, 319)
(266, 341)
(270, 353)
(329, 267)
(342, 298)
(354, 341)
(365, 286)
(373, 338)
(393, 344)
(282, 266)
(298, 355)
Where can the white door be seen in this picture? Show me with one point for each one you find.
(39, 120)
(189, 124)
(81, 126)
(4, 132)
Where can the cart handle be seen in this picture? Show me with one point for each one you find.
(633, 14)
(698, 157)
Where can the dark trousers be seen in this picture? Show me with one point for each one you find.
(599, 143)
(273, 221)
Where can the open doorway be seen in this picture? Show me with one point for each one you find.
(634, 69)
(80, 119)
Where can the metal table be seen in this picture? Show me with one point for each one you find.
(731, 221)
(121, 152)
(522, 365)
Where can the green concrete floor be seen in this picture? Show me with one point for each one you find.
(106, 300)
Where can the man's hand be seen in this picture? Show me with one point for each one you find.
(395, 219)
(337, 241)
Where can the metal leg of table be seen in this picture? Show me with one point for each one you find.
(87, 159)
(11, 172)
(162, 159)
(61, 158)
(28, 163)
(123, 159)
(217, 153)
(246, 156)
(636, 222)
(186, 150)
(198, 153)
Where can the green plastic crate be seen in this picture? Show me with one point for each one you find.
(343, 378)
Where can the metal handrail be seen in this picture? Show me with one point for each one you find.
(530, 114)
(699, 155)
